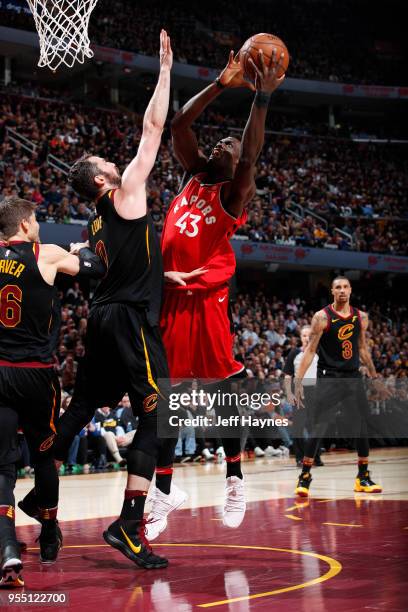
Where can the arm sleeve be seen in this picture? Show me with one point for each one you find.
(90, 265)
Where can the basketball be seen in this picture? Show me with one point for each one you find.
(268, 43)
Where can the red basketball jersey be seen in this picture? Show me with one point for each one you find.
(196, 234)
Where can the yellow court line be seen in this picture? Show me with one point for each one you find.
(342, 525)
(335, 568)
(299, 505)
(294, 518)
(333, 499)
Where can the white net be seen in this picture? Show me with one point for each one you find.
(62, 27)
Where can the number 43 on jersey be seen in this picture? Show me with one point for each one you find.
(188, 224)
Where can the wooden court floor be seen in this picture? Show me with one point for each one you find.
(340, 551)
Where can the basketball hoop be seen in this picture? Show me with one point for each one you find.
(62, 27)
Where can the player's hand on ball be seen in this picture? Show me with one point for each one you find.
(233, 75)
(166, 53)
(180, 278)
(266, 78)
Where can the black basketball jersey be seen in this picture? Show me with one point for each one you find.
(26, 306)
(338, 347)
(132, 255)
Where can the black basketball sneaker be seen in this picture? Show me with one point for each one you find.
(302, 488)
(50, 540)
(11, 573)
(133, 545)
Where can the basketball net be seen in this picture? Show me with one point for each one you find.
(62, 27)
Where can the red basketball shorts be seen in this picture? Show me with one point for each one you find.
(196, 332)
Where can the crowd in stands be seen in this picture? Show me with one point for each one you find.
(309, 185)
(327, 40)
(266, 327)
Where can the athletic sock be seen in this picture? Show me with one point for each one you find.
(132, 509)
(362, 467)
(234, 465)
(306, 465)
(163, 478)
(48, 516)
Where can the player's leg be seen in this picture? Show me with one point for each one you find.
(363, 482)
(226, 407)
(127, 533)
(39, 421)
(327, 395)
(309, 400)
(11, 566)
(212, 339)
(172, 359)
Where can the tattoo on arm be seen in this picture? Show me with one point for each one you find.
(318, 325)
(364, 320)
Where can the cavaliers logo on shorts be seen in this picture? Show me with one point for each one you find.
(150, 402)
(47, 443)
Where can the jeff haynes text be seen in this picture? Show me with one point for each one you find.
(232, 421)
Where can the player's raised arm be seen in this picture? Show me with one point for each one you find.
(242, 188)
(130, 199)
(185, 143)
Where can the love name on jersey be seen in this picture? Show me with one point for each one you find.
(96, 225)
(188, 222)
(11, 266)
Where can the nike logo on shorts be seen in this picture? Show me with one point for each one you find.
(222, 299)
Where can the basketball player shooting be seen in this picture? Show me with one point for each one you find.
(338, 334)
(196, 235)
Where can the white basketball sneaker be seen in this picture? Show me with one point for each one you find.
(162, 505)
(234, 506)
(273, 452)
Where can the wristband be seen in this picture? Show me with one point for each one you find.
(262, 99)
(90, 265)
(219, 84)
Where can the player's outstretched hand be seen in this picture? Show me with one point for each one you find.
(233, 75)
(267, 79)
(75, 247)
(180, 278)
(166, 53)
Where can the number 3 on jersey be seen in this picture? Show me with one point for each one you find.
(190, 220)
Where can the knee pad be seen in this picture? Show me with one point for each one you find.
(140, 463)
